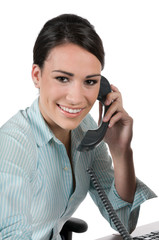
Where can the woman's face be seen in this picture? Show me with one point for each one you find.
(69, 84)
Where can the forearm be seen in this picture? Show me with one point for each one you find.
(124, 173)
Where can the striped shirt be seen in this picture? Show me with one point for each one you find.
(36, 183)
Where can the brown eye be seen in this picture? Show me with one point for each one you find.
(62, 79)
(90, 82)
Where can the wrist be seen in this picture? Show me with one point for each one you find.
(124, 173)
(122, 155)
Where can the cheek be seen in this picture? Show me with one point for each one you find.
(50, 90)
(92, 97)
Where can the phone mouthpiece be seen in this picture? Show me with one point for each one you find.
(92, 138)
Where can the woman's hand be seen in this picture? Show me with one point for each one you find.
(118, 137)
(119, 134)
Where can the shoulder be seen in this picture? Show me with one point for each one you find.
(17, 144)
(18, 127)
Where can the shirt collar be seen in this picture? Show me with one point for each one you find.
(41, 131)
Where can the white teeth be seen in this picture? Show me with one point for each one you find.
(70, 110)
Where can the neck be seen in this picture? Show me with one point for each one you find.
(62, 135)
(65, 137)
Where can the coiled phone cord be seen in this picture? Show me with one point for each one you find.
(114, 217)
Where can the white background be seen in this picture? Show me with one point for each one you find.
(130, 33)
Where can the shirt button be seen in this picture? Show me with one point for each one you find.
(66, 168)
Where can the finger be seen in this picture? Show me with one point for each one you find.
(114, 107)
(114, 88)
(115, 119)
(113, 96)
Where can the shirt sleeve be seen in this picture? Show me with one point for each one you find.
(127, 212)
(15, 185)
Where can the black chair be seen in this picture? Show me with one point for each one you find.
(73, 225)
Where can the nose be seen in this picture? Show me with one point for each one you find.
(75, 94)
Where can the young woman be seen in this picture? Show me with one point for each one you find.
(43, 177)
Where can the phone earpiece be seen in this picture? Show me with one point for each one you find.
(105, 88)
(93, 137)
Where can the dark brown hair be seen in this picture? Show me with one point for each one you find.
(67, 28)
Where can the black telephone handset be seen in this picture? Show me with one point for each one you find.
(94, 137)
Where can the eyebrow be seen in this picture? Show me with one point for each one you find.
(71, 74)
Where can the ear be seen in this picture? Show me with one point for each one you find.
(36, 75)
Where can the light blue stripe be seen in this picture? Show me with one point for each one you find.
(36, 184)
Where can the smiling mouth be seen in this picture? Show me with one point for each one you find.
(70, 110)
